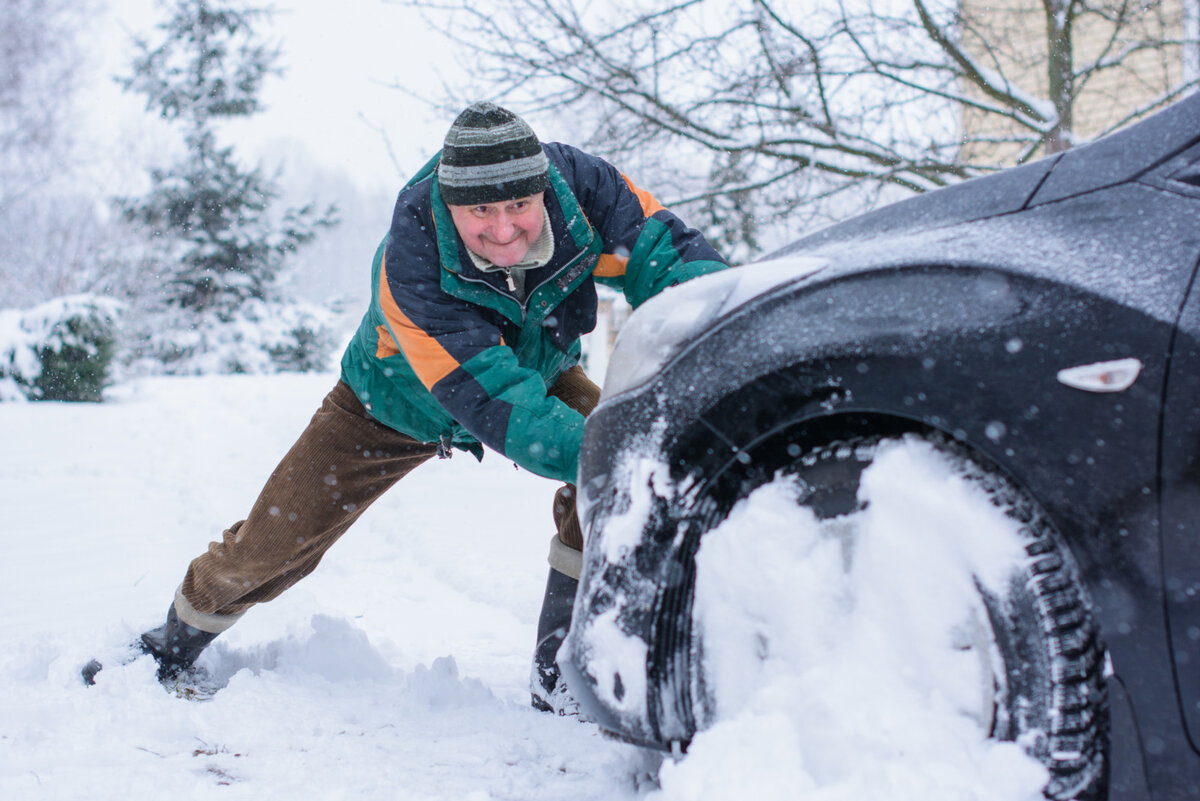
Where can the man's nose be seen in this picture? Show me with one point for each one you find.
(505, 223)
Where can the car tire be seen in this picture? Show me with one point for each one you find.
(1046, 656)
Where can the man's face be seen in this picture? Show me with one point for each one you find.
(503, 232)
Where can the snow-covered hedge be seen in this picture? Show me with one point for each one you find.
(258, 337)
(61, 350)
(65, 348)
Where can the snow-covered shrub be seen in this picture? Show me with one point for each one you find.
(258, 337)
(305, 338)
(61, 350)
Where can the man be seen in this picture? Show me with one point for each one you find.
(480, 292)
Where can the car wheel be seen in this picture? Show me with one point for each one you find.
(1041, 659)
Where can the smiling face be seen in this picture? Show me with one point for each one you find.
(502, 232)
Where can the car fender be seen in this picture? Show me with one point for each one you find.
(972, 351)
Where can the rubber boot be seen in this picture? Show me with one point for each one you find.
(548, 692)
(175, 646)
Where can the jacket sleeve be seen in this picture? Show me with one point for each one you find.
(647, 248)
(460, 357)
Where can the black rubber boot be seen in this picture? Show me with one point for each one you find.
(175, 646)
(547, 690)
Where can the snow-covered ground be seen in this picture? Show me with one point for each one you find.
(399, 669)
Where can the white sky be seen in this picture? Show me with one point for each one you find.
(334, 98)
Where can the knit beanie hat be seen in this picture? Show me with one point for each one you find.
(491, 155)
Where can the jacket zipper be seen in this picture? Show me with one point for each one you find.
(512, 286)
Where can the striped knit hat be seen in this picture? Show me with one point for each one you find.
(491, 155)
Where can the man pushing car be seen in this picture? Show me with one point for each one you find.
(481, 291)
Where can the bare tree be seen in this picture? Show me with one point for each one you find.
(760, 111)
(46, 227)
(37, 77)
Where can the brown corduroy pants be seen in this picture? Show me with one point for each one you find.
(342, 462)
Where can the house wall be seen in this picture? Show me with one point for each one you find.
(1009, 37)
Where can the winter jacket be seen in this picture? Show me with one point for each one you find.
(448, 353)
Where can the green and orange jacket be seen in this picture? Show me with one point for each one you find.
(447, 353)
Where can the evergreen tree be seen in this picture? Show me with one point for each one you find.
(223, 251)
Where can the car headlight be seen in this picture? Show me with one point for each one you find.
(665, 324)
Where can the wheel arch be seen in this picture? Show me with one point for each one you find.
(676, 707)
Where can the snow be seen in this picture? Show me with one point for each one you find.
(823, 640)
(399, 669)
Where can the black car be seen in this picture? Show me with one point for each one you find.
(1039, 327)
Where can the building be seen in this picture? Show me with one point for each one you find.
(1149, 53)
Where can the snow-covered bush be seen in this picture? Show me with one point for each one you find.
(258, 337)
(61, 350)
